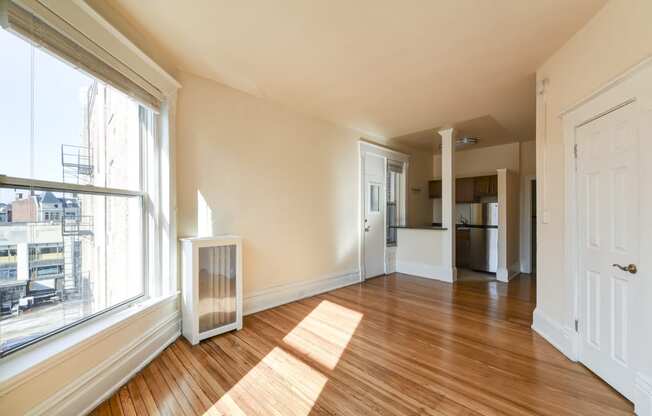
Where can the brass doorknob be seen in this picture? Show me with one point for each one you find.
(631, 268)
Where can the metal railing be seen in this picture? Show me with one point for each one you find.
(76, 160)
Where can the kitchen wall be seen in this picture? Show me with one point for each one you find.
(286, 182)
(618, 37)
(485, 160)
(520, 160)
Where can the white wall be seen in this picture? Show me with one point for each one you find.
(618, 37)
(423, 253)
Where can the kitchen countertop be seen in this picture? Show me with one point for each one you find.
(463, 226)
(421, 227)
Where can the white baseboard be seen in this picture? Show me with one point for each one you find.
(445, 274)
(643, 395)
(98, 384)
(556, 334)
(390, 260)
(507, 274)
(502, 275)
(280, 295)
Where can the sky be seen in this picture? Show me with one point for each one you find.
(58, 109)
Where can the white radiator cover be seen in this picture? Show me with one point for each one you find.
(211, 301)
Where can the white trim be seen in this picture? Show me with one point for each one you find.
(98, 384)
(10, 181)
(556, 334)
(126, 42)
(526, 223)
(109, 42)
(427, 271)
(505, 274)
(25, 365)
(280, 295)
(608, 85)
(502, 275)
(605, 99)
(365, 147)
(383, 151)
(643, 395)
(390, 259)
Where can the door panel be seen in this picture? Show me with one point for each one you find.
(374, 209)
(608, 208)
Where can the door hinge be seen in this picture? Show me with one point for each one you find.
(577, 325)
(575, 150)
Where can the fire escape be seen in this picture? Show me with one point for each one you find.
(77, 167)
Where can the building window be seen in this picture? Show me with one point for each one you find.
(75, 245)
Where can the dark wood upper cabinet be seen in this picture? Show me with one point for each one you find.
(485, 186)
(481, 187)
(468, 189)
(464, 190)
(434, 189)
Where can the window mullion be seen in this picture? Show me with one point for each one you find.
(9, 181)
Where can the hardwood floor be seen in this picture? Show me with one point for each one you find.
(393, 345)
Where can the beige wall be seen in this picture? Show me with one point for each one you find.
(286, 182)
(528, 158)
(513, 222)
(520, 161)
(419, 207)
(618, 37)
(485, 160)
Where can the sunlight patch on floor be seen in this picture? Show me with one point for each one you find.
(324, 333)
(294, 384)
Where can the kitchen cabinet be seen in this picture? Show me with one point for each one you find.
(463, 247)
(485, 186)
(493, 185)
(468, 190)
(464, 190)
(434, 189)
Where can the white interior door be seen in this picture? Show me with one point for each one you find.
(608, 213)
(374, 215)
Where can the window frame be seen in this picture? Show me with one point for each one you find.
(149, 194)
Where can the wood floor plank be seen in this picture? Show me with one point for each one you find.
(137, 399)
(394, 345)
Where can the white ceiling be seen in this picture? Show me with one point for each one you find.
(387, 68)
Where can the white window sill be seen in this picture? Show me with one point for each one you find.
(23, 365)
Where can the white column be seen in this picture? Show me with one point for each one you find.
(502, 273)
(448, 199)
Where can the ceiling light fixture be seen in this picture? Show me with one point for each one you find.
(464, 141)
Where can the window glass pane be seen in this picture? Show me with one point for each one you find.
(394, 203)
(63, 125)
(374, 197)
(65, 257)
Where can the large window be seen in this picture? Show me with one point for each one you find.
(72, 198)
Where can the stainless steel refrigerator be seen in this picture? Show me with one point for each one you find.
(483, 224)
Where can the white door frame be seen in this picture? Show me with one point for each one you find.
(365, 147)
(621, 91)
(526, 223)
